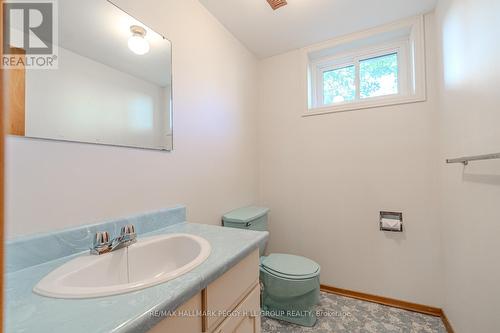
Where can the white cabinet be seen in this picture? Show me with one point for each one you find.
(246, 316)
(229, 304)
(182, 323)
(225, 293)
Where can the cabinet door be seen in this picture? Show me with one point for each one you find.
(246, 317)
(225, 293)
(187, 324)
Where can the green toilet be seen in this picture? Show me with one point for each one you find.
(289, 283)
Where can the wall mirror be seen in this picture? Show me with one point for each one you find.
(112, 85)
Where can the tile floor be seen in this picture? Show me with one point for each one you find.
(348, 315)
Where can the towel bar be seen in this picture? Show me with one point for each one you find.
(467, 159)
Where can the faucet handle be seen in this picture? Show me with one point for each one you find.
(101, 239)
(127, 230)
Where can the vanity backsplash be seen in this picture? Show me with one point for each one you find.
(33, 250)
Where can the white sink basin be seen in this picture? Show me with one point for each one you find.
(148, 262)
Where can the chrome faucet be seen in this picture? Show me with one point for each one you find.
(103, 244)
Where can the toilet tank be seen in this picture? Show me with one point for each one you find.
(251, 217)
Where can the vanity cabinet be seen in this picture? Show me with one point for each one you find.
(229, 304)
(177, 324)
(248, 318)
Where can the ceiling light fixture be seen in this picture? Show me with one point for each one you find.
(137, 43)
(275, 4)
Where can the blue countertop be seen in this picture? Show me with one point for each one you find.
(131, 312)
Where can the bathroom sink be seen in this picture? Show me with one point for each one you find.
(148, 262)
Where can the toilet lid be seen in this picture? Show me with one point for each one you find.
(290, 266)
(245, 214)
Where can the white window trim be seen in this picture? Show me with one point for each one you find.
(411, 61)
(354, 59)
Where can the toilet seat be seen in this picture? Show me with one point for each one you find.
(289, 266)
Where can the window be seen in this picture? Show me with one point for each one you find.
(361, 77)
(378, 76)
(374, 68)
(339, 85)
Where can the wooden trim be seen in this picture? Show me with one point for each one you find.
(384, 301)
(425, 309)
(204, 306)
(2, 137)
(15, 96)
(446, 323)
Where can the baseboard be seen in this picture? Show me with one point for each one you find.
(446, 323)
(429, 310)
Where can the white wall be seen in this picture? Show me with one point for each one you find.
(327, 177)
(54, 185)
(469, 114)
(85, 100)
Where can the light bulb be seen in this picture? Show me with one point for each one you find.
(137, 43)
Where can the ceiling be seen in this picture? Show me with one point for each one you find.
(303, 22)
(99, 30)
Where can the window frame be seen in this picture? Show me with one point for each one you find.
(411, 67)
(354, 59)
(319, 87)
